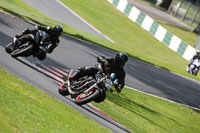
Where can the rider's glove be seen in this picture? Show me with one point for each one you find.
(43, 49)
(116, 81)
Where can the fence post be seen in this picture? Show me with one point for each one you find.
(198, 8)
(170, 7)
(178, 8)
(187, 9)
(197, 44)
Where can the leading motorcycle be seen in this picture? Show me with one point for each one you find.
(88, 88)
(35, 48)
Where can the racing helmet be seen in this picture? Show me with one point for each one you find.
(58, 30)
(120, 59)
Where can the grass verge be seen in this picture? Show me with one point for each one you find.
(25, 108)
(142, 113)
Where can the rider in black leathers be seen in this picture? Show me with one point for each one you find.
(109, 65)
(28, 35)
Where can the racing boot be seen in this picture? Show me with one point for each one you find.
(18, 35)
(77, 75)
(74, 76)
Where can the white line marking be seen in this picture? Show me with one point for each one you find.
(84, 21)
(162, 98)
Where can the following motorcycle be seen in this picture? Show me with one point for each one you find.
(36, 48)
(193, 67)
(88, 88)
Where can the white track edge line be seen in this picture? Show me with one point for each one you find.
(65, 6)
(162, 98)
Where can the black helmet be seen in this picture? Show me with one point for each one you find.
(120, 59)
(58, 30)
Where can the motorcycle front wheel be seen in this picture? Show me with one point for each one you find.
(84, 98)
(23, 51)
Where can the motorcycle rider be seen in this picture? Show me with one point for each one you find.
(28, 35)
(196, 56)
(109, 65)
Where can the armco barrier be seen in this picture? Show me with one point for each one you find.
(159, 32)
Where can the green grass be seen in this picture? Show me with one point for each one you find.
(142, 113)
(25, 108)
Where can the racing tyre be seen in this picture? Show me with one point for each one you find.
(196, 71)
(8, 48)
(101, 97)
(41, 56)
(84, 98)
(23, 51)
(63, 90)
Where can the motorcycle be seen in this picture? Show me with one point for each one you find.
(88, 88)
(35, 48)
(193, 67)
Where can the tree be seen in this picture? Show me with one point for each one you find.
(165, 4)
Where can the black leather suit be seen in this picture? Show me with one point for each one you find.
(53, 38)
(109, 66)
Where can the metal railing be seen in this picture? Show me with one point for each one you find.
(186, 10)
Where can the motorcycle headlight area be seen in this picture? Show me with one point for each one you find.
(108, 83)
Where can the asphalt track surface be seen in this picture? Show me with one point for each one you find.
(73, 53)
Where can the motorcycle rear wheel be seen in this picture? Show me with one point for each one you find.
(63, 91)
(195, 72)
(25, 51)
(8, 48)
(84, 98)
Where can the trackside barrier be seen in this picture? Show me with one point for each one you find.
(159, 32)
